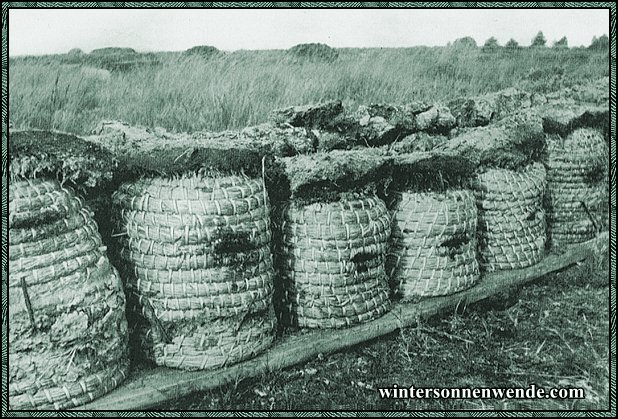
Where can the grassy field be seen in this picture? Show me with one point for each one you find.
(234, 90)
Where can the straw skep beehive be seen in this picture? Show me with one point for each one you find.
(433, 243)
(67, 327)
(332, 265)
(577, 192)
(199, 268)
(511, 219)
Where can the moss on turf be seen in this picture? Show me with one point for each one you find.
(66, 157)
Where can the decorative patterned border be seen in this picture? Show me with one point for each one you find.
(612, 324)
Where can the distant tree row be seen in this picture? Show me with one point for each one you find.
(539, 41)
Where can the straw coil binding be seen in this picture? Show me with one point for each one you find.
(577, 197)
(70, 293)
(511, 236)
(433, 248)
(333, 262)
(196, 250)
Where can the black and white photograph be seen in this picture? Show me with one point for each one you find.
(309, 209)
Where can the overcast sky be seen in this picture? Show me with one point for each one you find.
(36, 31)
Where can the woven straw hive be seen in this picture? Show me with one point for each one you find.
(433, 244)
(68, 331)
(577, 192)
(333, 262)
(200, 272)
(511, 223)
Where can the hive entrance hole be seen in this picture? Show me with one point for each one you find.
(595, 175)
(361, 260)
(234, 248)
(230, 242)
(455, 244)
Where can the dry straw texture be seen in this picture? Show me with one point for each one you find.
(511, 225)
(433, 245)
(577, 187)
(68, 332)
(333, 263)
(196, 250)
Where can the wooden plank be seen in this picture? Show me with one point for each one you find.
(146, 389)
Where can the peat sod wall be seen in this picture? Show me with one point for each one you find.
(319, 152)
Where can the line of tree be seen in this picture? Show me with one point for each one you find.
(600, 43)
(539, 41)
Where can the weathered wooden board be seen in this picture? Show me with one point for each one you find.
(151, 388)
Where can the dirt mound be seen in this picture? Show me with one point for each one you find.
(113, 51)
(75, 52)
(203, 51)
(119, 59)
(314, 51)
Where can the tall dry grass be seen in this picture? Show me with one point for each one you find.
(239, 89)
